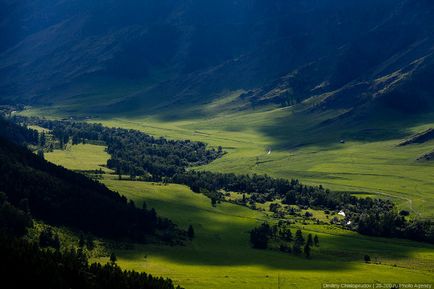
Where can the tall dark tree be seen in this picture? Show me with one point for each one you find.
(316, 241)
(287, 235)
(41, 154)
(190, 232)
(309, 240)
(213, 202)
(299, 237)
(367, 259)
(42, 140)
(296, 248)
(260, 236)
(48, 238)
(90, 243)
(113, 258)
(81, 241)
(307, 251)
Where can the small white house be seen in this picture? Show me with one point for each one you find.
(342, 213)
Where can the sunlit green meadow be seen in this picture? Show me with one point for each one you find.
(220, 256)
(83, 157)
(368, 162)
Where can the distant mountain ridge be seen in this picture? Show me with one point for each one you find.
(151, 54)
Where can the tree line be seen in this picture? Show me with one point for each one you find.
(261, 236)
(132, 152)
(27, 265)
(375, 217)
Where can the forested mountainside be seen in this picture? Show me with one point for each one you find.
(34, 190)
(62, 197)
(143, 55)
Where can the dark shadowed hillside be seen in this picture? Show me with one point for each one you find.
(62, 197)
(149, 54)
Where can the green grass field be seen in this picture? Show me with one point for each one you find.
(220, 255)
(81, 157)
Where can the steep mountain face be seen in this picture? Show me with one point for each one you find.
(148, 54)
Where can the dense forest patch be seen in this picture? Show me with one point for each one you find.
(45, 265)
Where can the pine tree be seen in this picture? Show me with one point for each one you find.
(367, 258)
(307, 251)
(287, 235)
(260, 236)
(316, 241)
(296, 248)
(113, 258)
(81, 241)
(56, 242)
(153, 216)
(299, 237)
(41, 154)
(42, 139)
(190, 232)
(309, 240)
(90, 243)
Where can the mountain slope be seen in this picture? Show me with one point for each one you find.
(62, 197)
(147, 55)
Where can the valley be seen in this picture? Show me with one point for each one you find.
(369, 162)
(218, 144)
(218, 256)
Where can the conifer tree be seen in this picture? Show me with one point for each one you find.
(307, 251)
(316, 241)
(113, 258)
(299, 237)
(309, 240)
(190, 232)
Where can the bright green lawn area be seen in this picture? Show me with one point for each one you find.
(220, 255)
(80, 157)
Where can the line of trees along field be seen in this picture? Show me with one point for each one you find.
(27, 265)
(375, 217)
(133, 152)
(261, 236)
(138, 154)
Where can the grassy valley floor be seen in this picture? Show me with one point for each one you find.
(221, 257)
(365, 163)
